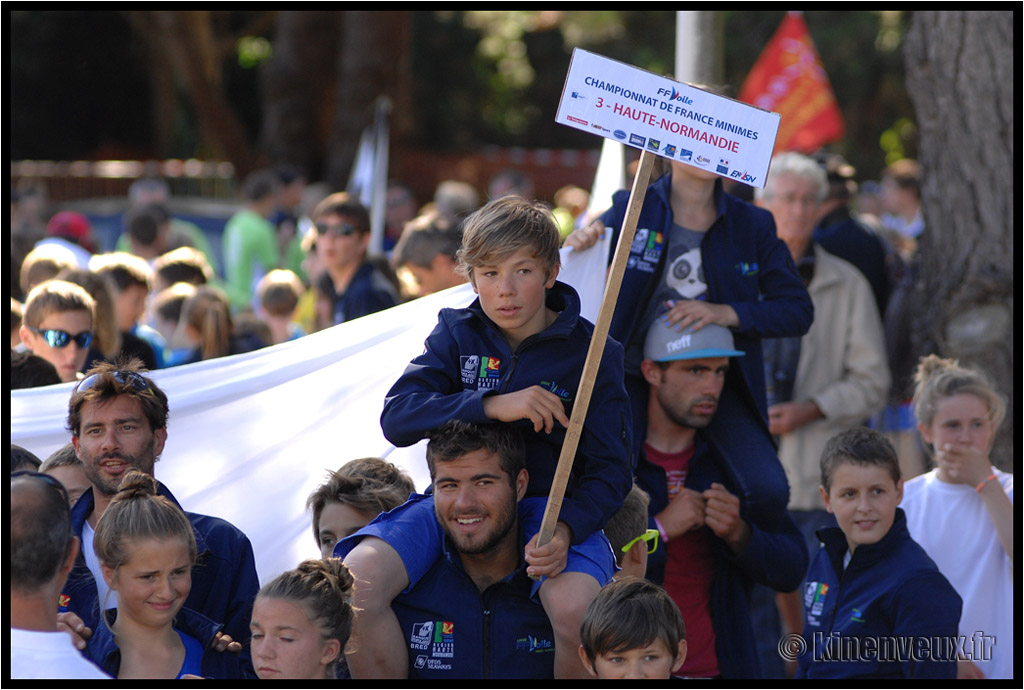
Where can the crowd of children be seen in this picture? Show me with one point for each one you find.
(514, 359)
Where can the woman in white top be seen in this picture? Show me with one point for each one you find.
(962, 511)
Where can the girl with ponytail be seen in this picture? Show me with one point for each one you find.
(301, 622)
(147, 548)
(962, 511)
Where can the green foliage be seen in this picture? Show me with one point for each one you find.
(252, 50)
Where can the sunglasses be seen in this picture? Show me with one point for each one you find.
(137, 382)
(650, 536)
(58, 339)
(339, 230)
(52, 482)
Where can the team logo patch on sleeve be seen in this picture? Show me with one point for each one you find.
(814, 600)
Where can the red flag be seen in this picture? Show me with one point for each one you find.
(789, 79)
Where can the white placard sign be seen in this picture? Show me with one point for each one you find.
(668, 118)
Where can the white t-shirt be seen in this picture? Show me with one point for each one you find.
(37, 654)
(93, 562)
(951, 523)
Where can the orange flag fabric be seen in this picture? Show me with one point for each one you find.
(789, 79)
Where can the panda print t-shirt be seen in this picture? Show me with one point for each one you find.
(683, 277)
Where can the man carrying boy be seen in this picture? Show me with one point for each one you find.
(895, 615)
(58, 326)
(515, 355)
(716, 547)
(474, 612)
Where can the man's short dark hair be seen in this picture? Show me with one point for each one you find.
(23, 459)
(259, 184)
(29, 371)
(40, 531)
(124, 378)
(456, 438)
(858, 446)
(143, 223)
(342, 204)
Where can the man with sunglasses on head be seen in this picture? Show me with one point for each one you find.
(355, 285)
(43, 550)
(715, 549)
(57, 326)
(118, 422)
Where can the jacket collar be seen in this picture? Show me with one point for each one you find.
(867, 554)
(87, 503)
(561, 298)
(103, 647)
(662, 188)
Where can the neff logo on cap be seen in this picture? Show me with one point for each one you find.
(679, 344)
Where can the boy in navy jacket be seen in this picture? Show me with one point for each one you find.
(515, 355)
(876, 606)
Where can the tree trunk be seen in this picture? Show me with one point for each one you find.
(371, 62)
(299, 88)
(960, 75)
(188, 40)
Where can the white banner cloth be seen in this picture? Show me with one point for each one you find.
(250, 436)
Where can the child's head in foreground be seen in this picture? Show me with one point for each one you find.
(510, 254)
(633, 629)
(861, 484)
(301, 622)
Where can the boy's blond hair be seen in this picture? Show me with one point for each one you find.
(56, 296)
(124, 270)
(504, 226)
(44, 263)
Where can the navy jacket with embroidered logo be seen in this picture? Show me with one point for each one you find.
(466, 358)
(891, 598)
(224, 579)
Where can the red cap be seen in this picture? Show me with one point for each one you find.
(73, 226)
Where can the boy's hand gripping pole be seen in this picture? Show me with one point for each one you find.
(593, 361)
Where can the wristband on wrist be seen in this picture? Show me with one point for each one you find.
(981, 486)
(661, 531)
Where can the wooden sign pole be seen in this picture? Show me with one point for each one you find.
(597, 342)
